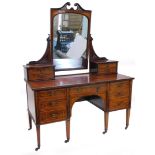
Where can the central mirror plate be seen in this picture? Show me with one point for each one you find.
(70, 32)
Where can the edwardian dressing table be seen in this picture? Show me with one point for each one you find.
(69, 47)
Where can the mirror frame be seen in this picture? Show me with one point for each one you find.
(76, 10)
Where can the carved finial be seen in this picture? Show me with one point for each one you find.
(64, 7)
(79, 6)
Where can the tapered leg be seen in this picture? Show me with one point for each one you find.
(106, 116)
(30, 121)
(127, 118)
(67, 130)
(38, 137)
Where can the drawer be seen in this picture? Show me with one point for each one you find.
(40, 73)
(119, 89)
(51, 95)
(88, 90)
(52, 105)
(107, 68)
(117, 104)
(119, 95)
(52, 116)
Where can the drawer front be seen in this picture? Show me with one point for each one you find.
(119, 95)
(108, 68)
(52, 116)
(52, 105)
(119, 89)
(117, 104)
(50, 95)
(88, 90)
(44, 73)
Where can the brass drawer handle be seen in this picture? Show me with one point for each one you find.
(119, 85)
(52, 103)
(53, 115)
(119, 103)
(97, 89)
(51, 93)
(107, 68)
(78, 90)
(56, 92)
(120, 94)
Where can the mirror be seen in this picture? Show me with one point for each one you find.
(70, 32)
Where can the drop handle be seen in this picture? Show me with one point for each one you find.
(119, 85)
(51, 103)
(120, 94)
(51, 93)
(53, 115)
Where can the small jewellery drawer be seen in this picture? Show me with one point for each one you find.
(52, 116)
(88, 90)
(52, 94)
(39, 72)
(107, 68)
(53, 104)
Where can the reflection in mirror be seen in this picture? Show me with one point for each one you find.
(70, 36)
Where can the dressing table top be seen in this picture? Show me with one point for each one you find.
(77, 80)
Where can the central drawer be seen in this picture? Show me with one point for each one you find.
(88, 90)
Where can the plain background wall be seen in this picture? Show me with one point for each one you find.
(123, 30)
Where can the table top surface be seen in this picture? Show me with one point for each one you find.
(77, 80)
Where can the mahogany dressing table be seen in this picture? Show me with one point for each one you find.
(50, 98)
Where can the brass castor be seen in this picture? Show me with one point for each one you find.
(126, 127)
(67, 140)
(36, 149)
(105, 131)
